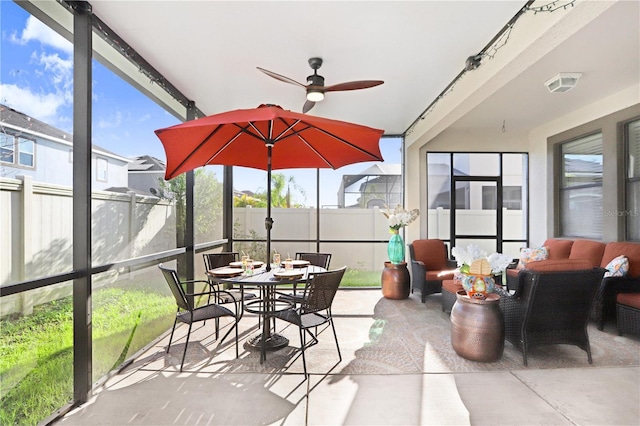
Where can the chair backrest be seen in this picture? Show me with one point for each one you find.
(431, 252)
(559, 300)
(317, 259)
(216, 260)
(171, 276)
(321, 290)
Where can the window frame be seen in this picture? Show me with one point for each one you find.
(17, 153)
(563, 188)
(99, 177)
(631, 212)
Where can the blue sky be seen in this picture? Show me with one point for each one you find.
(36, 78)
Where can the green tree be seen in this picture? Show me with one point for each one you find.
(281, 194)
(207, 196)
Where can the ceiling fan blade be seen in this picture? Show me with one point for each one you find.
(353, 85)
(307, 106)
(281, 77)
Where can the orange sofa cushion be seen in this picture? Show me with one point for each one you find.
(588, 250)
(559, 265)
(628, 299)
(432, 253)
(439, 275)
(630, 250)
(452, 286)
(558, 249)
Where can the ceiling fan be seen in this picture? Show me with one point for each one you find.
(315, 84)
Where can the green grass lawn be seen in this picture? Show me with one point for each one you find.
(36, 351)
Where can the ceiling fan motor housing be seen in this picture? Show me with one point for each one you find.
(315, 80)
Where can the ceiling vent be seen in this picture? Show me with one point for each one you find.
(563, 82)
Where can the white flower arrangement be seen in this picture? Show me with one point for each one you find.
(400, 217)
(465, 258)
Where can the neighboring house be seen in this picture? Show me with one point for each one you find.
(378, 186)
(145, 174)
(29, 147)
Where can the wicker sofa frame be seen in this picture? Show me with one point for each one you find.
(628, 317)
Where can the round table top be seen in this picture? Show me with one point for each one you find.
(263, 277)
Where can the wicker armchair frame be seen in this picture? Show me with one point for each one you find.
(419, 272)
(550, 308)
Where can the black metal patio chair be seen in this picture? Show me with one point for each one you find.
(317, 259)
(217, 260)
(189, 313)
(315, 309)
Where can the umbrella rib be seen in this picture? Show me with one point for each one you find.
(223, 147)
(200, 145)
(243, 129)
(356, 147)
(317, 152)
(310, 126)
(290, 127)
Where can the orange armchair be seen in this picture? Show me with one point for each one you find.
(430, 265)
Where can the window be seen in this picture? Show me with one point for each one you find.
(511, 197)
(101, 169)
(471, 181)
(632, 212)
(17, 150)
(581, 188)
(7, 150)
(26, 151)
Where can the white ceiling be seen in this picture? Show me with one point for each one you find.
(210, 50)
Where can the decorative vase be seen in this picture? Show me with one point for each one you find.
(395, 249)
(478, 286)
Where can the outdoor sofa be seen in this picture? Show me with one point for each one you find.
(566, 255)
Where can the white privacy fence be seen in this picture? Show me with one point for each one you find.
(37, 234)
(37, 224)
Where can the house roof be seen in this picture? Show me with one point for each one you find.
(16, 118)
(147, 163)
(20, 121)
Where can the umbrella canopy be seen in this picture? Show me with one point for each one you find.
(267, 138)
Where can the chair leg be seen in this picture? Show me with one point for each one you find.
(423, 292)
(172, 330)
(184, 353)
(302, 345)
(336, 337)
(587, 347)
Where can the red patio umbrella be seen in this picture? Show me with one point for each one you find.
(267, 138)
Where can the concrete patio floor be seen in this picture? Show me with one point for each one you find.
(397, 368)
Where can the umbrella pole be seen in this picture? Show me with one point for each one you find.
(268, 222)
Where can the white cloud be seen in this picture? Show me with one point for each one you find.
(37, 31)
(113, 121)
(61, 70)
(43, 106)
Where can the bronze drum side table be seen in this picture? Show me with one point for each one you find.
(395, 281)
(477, 328)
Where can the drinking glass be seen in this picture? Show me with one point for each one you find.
(288, 264)
(249, 267)
(245, 258)
(276, 260)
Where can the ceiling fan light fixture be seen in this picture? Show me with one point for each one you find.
(314, 95)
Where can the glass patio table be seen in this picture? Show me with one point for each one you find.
(268, 303)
